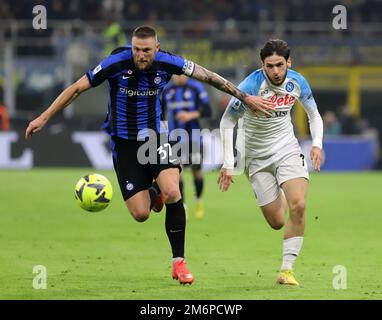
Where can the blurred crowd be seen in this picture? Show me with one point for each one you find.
(343, 123)
(181, 10)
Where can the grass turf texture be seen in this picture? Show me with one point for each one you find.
(232, 252)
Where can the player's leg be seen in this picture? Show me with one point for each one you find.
(139, 205)
(293, 178)
(274, 212)
(196, 160)
(168, 181)
(181, 188)
(134, 178)
(295, 193)
(156, 197)
(269, 197)
(198, 178)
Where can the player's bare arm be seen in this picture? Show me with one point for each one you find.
(63, 100)
(215, 80)
(315, 156)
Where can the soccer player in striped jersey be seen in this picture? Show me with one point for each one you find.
(274, 162)
(136, 77)
(184, 101)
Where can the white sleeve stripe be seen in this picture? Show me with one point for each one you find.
(188, 68)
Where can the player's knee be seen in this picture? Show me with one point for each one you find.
(140, 214)
(297, 207)
(276, 224)
(297, 211)
(171, 194)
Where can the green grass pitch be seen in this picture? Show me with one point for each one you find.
(232, 252)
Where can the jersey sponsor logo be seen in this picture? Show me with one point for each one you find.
(188, 67)
(286, 100)
(277, 114)
(97, 69)
(140, 93)
(126, 77)
(289, 86)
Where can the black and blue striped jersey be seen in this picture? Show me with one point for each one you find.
(189, 97)
(134, 104)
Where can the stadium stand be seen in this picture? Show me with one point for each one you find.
(344, 67)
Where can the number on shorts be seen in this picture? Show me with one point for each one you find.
(163, 152)
(302, 158)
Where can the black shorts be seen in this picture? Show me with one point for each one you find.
(137, 163)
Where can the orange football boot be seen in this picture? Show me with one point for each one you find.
(181, 273)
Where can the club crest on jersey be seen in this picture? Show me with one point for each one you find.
(289, 87)
(157, 80)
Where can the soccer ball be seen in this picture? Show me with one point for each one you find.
(93, 192)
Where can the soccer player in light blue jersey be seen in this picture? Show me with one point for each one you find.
(136, 76)
(274, 162)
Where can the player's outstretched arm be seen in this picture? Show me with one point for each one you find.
(253, 102)
(64, 99)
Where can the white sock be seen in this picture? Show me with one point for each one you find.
(291, 249)
(177, 259)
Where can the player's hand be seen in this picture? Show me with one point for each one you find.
(36, 125)
(184, 116)
(225, 179)
(256, 104)
(315, 156)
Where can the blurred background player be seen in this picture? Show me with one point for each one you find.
(184, 101)
(274, 162)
